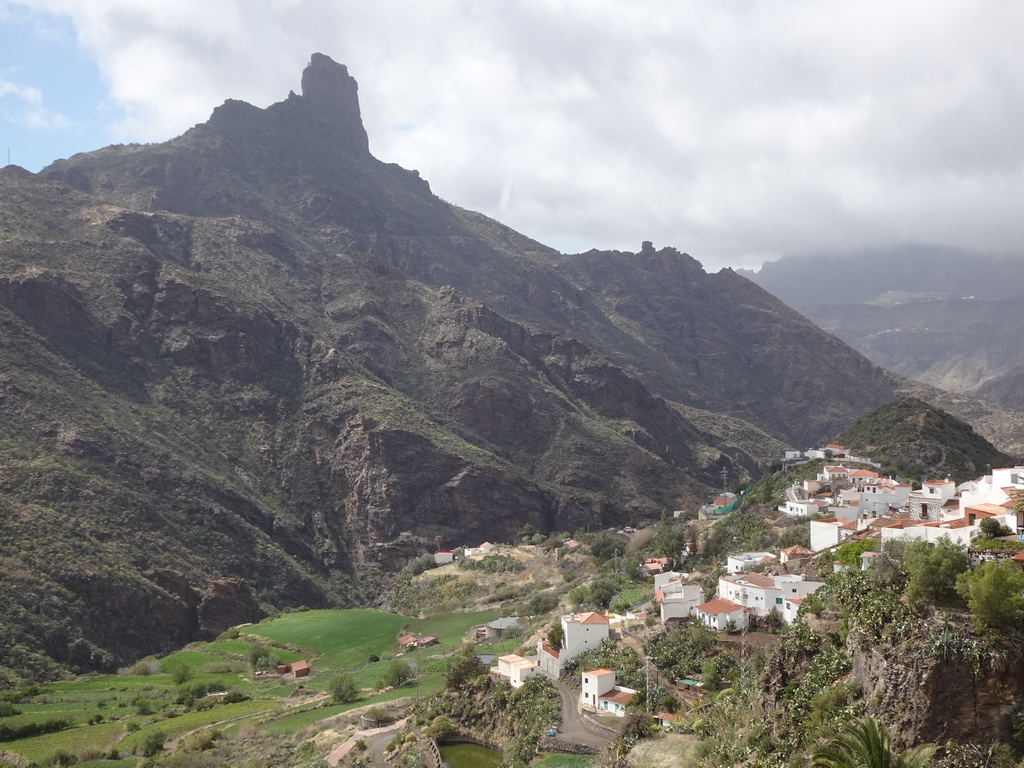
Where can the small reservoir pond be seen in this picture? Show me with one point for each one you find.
(469, 756)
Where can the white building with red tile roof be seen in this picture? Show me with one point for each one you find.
(761, 593)
(718, 613)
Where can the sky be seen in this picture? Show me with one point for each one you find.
(734, 130)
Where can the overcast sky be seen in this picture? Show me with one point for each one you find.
(735, 131)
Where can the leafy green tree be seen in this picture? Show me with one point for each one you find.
(867, 745)
(379, 715)
(993, 592)
(932, 571)
(463, 668)
(605, 547)
(398, 674)
(992, 528)
(343, 688)
(181, 675)
(556, 635)
(669, 537)
(262, 656)
(153, 743)
(850, 552)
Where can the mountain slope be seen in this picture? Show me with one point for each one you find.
(916, 440)
(255, 367)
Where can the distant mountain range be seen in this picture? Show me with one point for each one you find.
(255, 367)
(946, 317)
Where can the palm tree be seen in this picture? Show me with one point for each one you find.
(866, 745)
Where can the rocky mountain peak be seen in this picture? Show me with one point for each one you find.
(331, 92)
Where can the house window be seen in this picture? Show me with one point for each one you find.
(778, 601)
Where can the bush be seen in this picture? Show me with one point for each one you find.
(181, 675)
(993, 594)
(398, 674)
(343, 688)
(262, 656)
(153, 743)
(992, 528)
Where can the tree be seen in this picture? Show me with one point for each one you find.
(343, 688)
(181, 674)
(850, 552)
(379, 715)
(669, 538)
(463, 668)
(992, 528)
(153, 743)
(262, 656)
(398, 674)
(556, 635)
(993, 594)
(867, 745)
(932, 571)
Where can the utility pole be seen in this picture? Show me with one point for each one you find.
(647, 670)
(725, 478)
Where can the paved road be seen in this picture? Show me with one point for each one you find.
(574, 728)
(376, 739)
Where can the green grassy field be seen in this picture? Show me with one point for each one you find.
(332, 641)
(343, 639)
(291, 723)
(102, 736)
(178, 726)
(346, 639)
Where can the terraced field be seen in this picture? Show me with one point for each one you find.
(109, 712)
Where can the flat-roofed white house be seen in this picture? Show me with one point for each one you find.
(580, 632)
(517, 669)
(677, 600)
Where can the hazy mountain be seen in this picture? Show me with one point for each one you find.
(946, 317)
(256, 352)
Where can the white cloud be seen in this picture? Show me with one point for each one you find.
(23, 104)
(729, 129)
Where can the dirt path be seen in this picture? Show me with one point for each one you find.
(574, 728)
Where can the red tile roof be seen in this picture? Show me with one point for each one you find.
(618, 697)
(719, 606)
(549, 650)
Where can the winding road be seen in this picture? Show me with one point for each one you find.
(574, 727)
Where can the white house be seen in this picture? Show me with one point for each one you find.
(517, 669)
(661, 579)
(443, 556)
(599, 693)
(760, 593)
(931, 532)
(717, 614)
(677, 600)
(830, 532)
(580, 632)
(744, 561)
(483, 549)
(794, 552)
(790, 606)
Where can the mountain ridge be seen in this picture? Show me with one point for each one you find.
(258, 363)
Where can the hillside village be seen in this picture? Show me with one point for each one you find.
(846, 502)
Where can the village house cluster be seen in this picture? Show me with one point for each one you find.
(852, 501)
